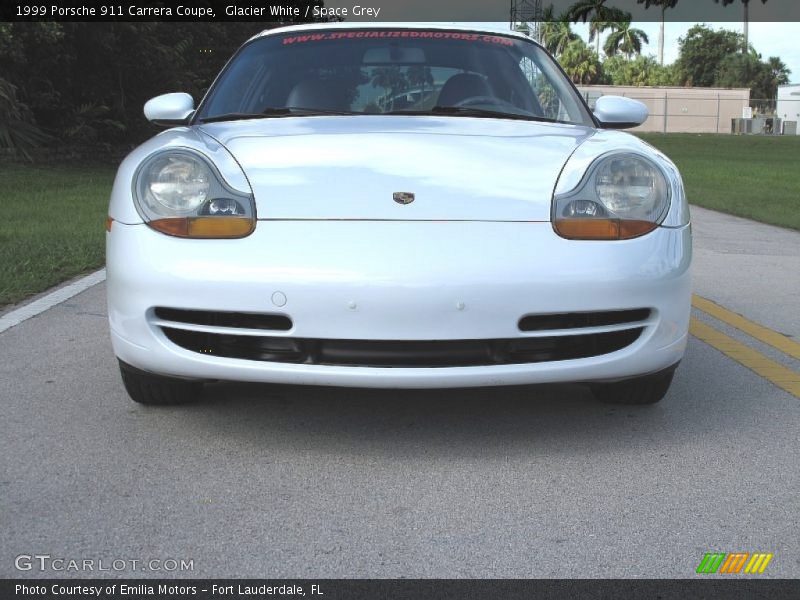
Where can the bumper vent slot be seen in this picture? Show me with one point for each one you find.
(239, 320)
(396, 353)
(579, 320)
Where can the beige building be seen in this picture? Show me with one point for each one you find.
(680, 109)
(788, 107)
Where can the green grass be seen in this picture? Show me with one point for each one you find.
(51, 227)
(757, 177)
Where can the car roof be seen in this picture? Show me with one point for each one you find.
(472, 27)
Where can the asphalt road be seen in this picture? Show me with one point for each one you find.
(264, 481)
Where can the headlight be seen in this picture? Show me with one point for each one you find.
(622, 196)
(177, 183)
(179, 192)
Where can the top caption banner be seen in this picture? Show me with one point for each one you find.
(292, 11)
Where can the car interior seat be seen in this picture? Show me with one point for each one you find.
(315, 93)
(462, 86)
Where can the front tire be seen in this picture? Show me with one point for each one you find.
(649, 389)
(157, 390)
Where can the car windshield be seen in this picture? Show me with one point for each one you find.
(385, 71)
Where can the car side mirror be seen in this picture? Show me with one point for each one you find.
(617, 112)
(169, 109)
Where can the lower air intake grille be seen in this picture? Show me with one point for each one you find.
(238, 320)
(393, 353)
(577, 320)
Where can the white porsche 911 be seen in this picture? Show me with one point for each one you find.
(397, 206)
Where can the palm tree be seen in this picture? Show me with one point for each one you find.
(624, 38)
(598, 15)
(596, 28)
(556, 36)
(778, 71)
(746, 7)
(580, 63)
(664, 4)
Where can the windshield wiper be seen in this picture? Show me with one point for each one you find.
(471, 111)
(275, 111)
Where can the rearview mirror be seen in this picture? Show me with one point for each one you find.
(618, 112)
(394, 55)
(169, 109)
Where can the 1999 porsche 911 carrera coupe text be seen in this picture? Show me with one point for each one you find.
(397, 206)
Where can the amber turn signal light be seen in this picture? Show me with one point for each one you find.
(602, 229)
(205, 227)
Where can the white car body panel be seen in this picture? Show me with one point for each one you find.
(403, 281)
(474, 253)
(459, 169)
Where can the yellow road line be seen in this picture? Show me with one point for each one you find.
(767, 368)
(754, 330)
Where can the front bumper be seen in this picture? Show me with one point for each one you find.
(396, 280)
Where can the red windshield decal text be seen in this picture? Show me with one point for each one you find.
(435, 35)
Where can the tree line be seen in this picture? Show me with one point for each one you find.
(707, 58)
(72, 87)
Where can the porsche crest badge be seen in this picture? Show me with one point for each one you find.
(403, 197)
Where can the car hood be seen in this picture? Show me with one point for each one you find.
(350, 167)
